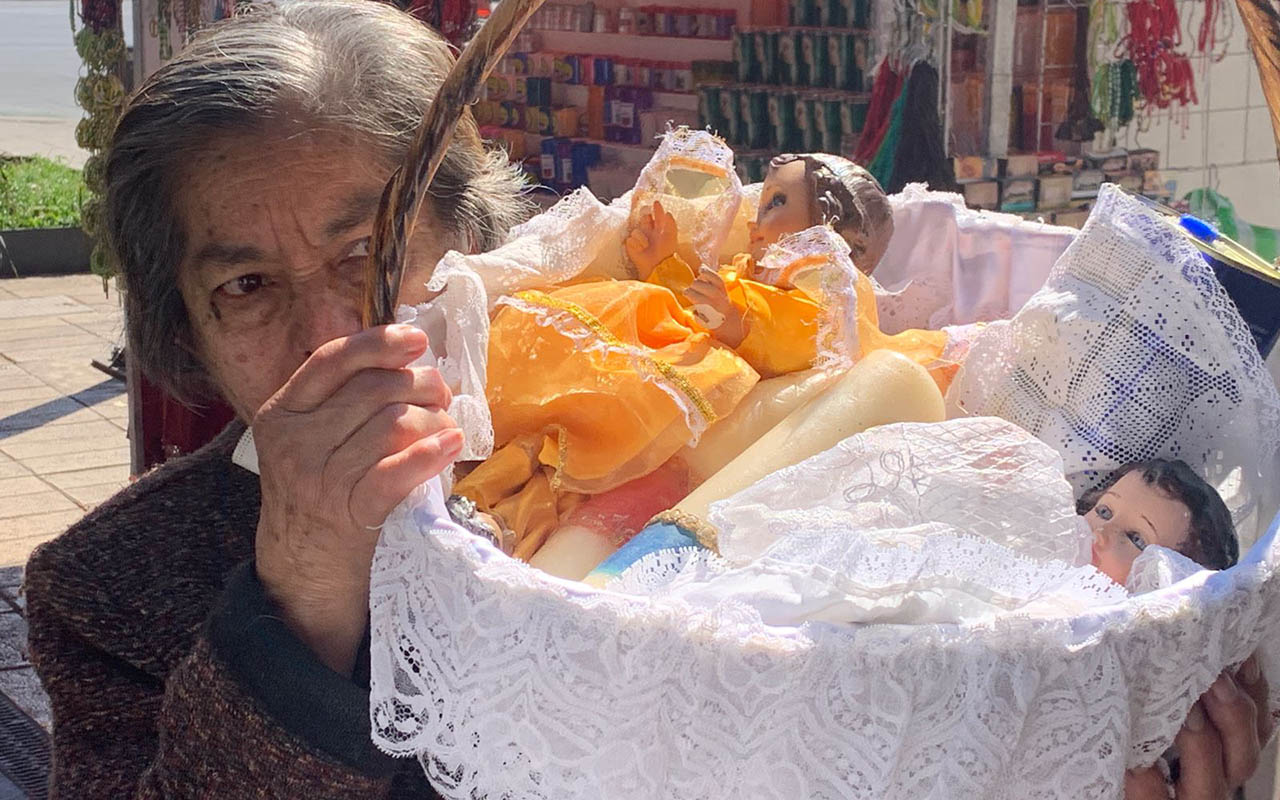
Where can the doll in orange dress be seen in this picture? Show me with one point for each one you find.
(597, 385)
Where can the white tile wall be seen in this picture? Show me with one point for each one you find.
(1226, 141)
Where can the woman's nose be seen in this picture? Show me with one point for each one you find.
(322, 317)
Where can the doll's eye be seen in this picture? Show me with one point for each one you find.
(778, 199)
(1103, 512)
(1136, 539)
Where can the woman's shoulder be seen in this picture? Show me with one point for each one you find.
(163, 543)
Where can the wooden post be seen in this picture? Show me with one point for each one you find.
(1003, 27)
(1262, 21)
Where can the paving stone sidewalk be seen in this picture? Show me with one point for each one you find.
(63, 444)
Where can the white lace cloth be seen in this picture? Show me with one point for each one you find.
(505, 682)
(1132, 350)
(908, 524)
(509, 683)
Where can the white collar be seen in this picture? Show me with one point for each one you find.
(246, 454)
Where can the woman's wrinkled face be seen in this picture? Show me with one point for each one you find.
(785, 202)
(1129, 517)
(277, 231)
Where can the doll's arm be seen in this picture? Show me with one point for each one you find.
(709, 298)
(652, 241)
(781, 327)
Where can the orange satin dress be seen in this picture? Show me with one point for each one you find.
(596, 384)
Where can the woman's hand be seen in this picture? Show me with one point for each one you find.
(712, 306)
(652, 241)
(339, 446)
(1219, 744)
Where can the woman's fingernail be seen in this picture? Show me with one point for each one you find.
(1195, 719)
(450, 441)
(1250, 670)
(1224, 691)
(413, 337)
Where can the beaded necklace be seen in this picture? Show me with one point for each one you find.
(1164, 75)
(1115, 93)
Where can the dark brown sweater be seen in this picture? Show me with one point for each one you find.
(168, 670)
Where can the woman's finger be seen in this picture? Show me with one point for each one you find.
(1201, 774)
(371, 389)
(335, 362)
(369, 393)
(1145, 784)
(389, 481)
(1235, 716)
(393, 428)
(1253, 683)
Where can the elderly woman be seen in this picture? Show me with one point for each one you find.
(203, 634)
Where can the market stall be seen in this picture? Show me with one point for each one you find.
(1022, 107)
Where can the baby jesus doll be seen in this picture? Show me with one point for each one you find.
(1157, 502)
(766, 318)
(597, 384)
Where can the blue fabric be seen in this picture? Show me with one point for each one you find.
(658, 536)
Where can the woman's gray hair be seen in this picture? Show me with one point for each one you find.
(350, 66)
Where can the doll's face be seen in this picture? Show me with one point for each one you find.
(785, 203)
(1128, 517)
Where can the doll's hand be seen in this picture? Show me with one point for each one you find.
(712, 306)
(652, 241)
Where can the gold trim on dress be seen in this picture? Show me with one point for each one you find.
(663, 368)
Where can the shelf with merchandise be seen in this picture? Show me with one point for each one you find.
(631, 45)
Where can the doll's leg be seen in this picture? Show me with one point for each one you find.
(767, 404)
(598, 527)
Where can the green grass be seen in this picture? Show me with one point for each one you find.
(39, 193)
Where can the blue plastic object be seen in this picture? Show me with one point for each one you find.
(1198, 228)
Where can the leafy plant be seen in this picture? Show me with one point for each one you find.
(39, 193)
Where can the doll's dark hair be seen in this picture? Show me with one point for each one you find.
(851, 200)
(1212, 539)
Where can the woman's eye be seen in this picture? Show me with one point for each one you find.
(1136, 539)
(1104, 513)
(243, 285)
